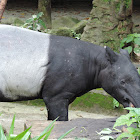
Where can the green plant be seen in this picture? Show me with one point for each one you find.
(116, 104)
(35, 23)
(131, 43)
(75, 35)
(133, 117)
(25, 135)
(139, 70)
(132, 133)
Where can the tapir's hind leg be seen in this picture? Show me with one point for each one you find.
(57, 105)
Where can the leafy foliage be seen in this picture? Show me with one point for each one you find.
(25, 135)
(35, 23)
(115, 103)
(75, 35)
(139, 70)
(132, 133)
(133, 40)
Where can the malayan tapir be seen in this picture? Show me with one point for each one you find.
(58, 69)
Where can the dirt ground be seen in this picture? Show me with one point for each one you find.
(86, 123)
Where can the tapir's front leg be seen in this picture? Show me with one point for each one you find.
(57, 106)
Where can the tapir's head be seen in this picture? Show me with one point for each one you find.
(120, 78)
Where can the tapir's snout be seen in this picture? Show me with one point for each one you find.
(129, 97)
(137, 102)
(136, 96)
(128, 103)
(131, 105)
(133, 101)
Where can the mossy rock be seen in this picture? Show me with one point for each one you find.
(8, 21)
(96, 103)
(64, 21)
(89, 102)
(79, 27)
(61, 32)
(12, 20)
(18, 22)
(136, 29)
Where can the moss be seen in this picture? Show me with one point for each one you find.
(118, 6)
(112, 43)
(99, 89)
(61, 32)
(91, 99)
(79, 27)
(110, 24)
(18, 22)
(127, 3)
(64, 21)
(64, 32)
(13, 21)
(122, 29)
(107, 0)
(111, 39)
(90, 102)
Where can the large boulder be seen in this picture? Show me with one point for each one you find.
(13, 20)
(64, 21)
(79, 27)
(67, 26)
(62, 31)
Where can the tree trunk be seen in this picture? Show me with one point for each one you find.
(110, 21)
(2, 7)
(45, 7)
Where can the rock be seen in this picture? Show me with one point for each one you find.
(13, 20)
(63, 31)
(41, 109)
(109, 23)
(136, 28)
(18, 22)
(79, 27)
(66, 26)
(64, 21)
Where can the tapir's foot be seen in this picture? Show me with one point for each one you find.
(58, 109)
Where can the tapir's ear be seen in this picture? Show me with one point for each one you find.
(111, 55)
(124, 52)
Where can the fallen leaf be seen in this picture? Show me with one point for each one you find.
(86, 18)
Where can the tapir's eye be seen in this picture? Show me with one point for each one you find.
(123, 82)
